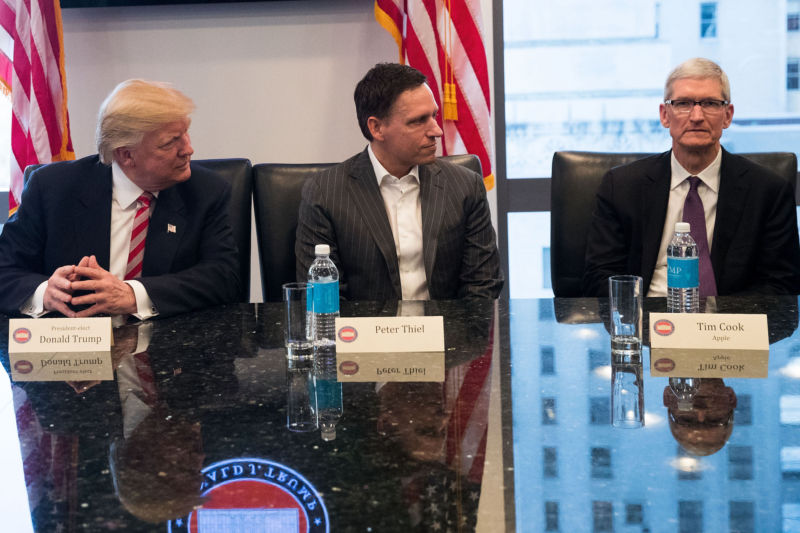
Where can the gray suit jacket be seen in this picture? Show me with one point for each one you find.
(755, 245)
(343, 207)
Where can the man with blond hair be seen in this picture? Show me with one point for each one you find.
(135, 230)
(742, 215)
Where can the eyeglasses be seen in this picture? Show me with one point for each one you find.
(683, 106)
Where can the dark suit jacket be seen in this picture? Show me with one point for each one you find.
(65, 214)
(343, 207)
(755, 245)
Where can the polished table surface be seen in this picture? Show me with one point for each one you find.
(518, 436)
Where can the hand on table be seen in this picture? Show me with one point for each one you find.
(58, 294)
(107, 294)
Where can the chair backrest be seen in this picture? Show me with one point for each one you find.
(576, 177)
(239, 173)
(277, 191)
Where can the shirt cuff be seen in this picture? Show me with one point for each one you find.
(145, 308)
(34, 306)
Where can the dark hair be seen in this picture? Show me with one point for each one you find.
(379, 88)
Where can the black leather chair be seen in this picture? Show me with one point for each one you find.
(239, 173)
(277, 191)
(576, 177)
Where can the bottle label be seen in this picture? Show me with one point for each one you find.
(683, 272)
(326, 297)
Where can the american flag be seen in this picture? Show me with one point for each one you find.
(32, 72)
(443, 40)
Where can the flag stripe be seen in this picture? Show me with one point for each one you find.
(430, 30)
(37, 81)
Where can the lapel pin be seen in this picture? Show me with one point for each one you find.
(171, 228)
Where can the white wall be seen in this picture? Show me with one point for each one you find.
(273, 81)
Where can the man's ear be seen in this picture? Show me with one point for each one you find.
(375, 128)
(124, 157)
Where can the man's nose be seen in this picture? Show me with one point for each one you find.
(696, 112)
(435, 130)
(186, 148)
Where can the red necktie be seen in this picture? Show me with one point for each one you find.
(138, 234)
(695, 215)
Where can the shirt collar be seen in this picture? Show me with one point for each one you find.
(125, 192)
(381, 172)
(709, 175)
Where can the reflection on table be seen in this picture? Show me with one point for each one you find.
(192, 433)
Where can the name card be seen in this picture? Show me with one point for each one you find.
(60, 349)
(709, 345)
(397, 348)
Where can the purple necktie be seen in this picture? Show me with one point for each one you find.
(695, 215)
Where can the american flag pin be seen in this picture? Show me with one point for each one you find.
(171, 228)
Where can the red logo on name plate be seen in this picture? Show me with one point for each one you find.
(347, 334)
(23, 367)
(348, 368)
(22, 335)
(664, 365)
(664, 327)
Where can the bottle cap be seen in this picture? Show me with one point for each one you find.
(682, 227)
(322, 249)
(328, 433)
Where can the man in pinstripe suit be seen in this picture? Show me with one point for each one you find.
(400, 223)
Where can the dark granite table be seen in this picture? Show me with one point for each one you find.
(516, 438)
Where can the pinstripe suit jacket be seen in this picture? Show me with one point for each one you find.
(343, 207)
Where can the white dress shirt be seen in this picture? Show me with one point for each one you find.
(123, 210)
(404, 209)
(708, 190)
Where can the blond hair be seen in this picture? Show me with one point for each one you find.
(698, 68)
(136, 107)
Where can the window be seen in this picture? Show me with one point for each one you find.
(789, 409)
(743, 415)
(793, 22)
(740, 462)
(792, 71)
(547, 282)
(708, 20)
(598, 358)
(551, 516)
(690, 472)
(740, 516)
(548, 411)
(550, 460)
(601, 463)
(790, 462)
(690, 517)
(600, 410)
(548, 360)
(603, 515)
(634, 513)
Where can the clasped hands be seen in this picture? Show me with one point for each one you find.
(105, 293)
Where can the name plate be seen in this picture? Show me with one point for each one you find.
(397, 348)
(60, 349)
(701, 345)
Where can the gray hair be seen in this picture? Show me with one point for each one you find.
(702, 69)
(136, 107)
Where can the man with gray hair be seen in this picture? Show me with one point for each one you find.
(742, 215)
(136, 230)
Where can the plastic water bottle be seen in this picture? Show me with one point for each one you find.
(325, 278)
(683, 293)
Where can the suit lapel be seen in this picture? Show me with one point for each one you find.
(433, 208)
(165, 231)
(656, 198)
(367, 196)
(732, 195)
(92, 215)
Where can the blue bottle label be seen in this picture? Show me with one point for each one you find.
(683, 272)
(326, 297)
